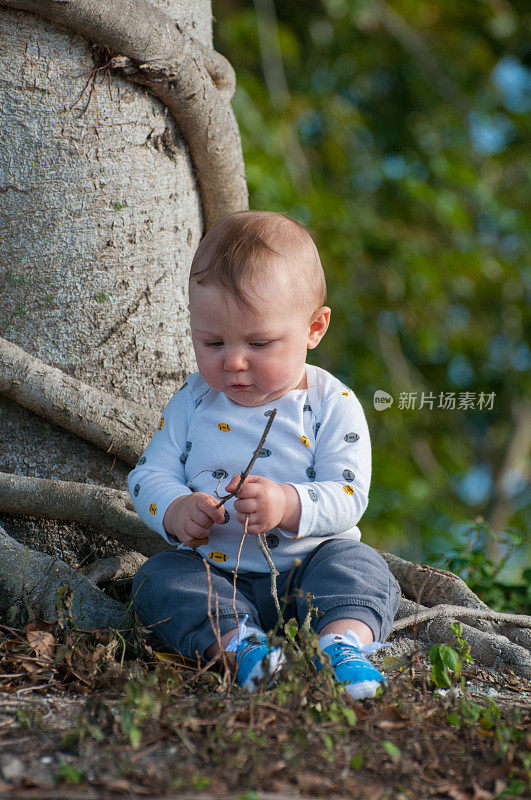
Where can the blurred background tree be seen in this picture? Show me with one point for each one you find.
(396, 133)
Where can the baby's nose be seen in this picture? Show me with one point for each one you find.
(235, 361)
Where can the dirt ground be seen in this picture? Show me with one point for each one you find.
(75, 722)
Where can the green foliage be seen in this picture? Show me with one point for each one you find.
(484, 575)
(83, 731)
(69, 773)
(398, 138)
(140, 704)
(446, 663)
(507, 732)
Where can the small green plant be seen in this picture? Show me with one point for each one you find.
(507, 732)
(28, 717)
(74, 739)
(69, 773)
(392, 750)
(447, 662)
(140, 704)
(117, 206)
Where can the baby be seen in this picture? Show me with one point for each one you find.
(257, 292)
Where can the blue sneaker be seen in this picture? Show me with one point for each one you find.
(254, 656)
(349, 664)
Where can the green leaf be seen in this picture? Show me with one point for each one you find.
(440, 677)
(356, 762)
(392, 750)
(291, 627)
(349, 715)
(448, 656)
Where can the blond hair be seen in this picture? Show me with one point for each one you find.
(238, 251)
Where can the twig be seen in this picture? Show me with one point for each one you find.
(251, 462)
(215, 625)
(274, 574)
(235, 573)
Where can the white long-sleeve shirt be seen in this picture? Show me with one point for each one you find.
(318, 442)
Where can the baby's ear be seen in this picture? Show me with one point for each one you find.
(318, 326)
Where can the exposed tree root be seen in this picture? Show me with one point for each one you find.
(179, 71)
(117, 426)
(114, 568)
(430, 585)
(436, 587)
(444, 611)
(32, 580)
(106, 510)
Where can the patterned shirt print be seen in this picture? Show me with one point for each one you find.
(318, 442)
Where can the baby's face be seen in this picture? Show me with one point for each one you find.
(253, 357)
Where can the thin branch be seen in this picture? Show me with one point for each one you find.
(274, 574)
(235, 572)
(250, 465)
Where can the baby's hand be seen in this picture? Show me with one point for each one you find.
(190, 517)
(262, 500)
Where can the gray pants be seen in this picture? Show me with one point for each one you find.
(347, 580)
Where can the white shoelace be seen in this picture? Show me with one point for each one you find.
(242, 633)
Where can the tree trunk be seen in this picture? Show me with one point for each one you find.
(100, 217)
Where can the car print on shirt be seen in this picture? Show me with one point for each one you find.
(305, 440)
(223, 426)
(153, 509)
(161, 424)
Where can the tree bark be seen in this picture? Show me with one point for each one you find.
(100, 217)
(174, 68)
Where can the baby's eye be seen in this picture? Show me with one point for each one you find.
(259, 344)
(214, 344)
